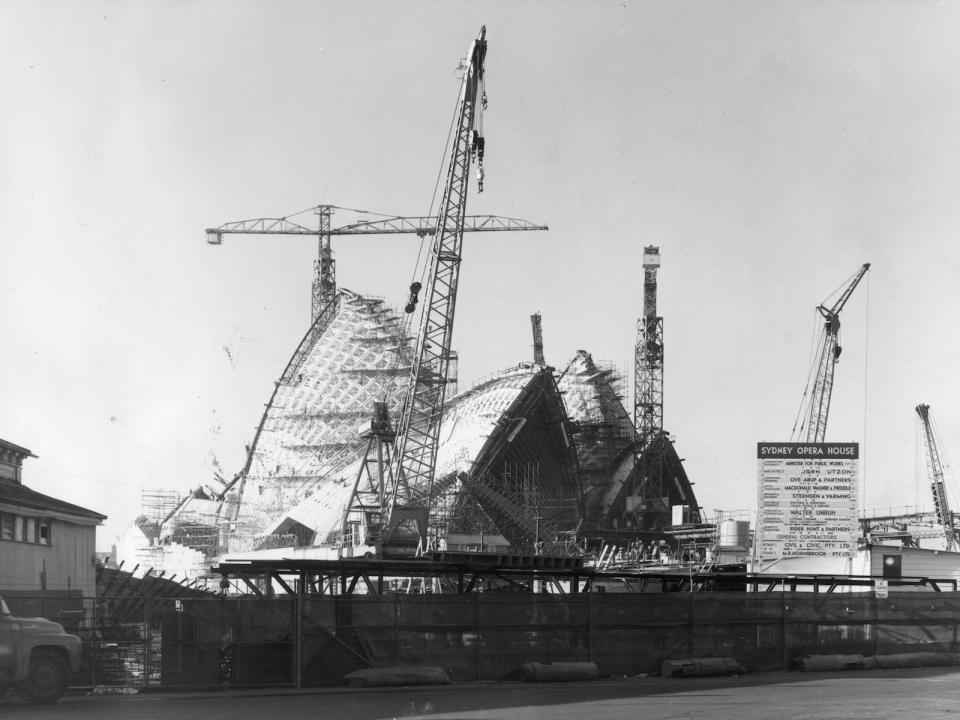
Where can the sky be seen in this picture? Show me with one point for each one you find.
(768, 149)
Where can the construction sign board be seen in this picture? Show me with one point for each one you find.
(807, 500)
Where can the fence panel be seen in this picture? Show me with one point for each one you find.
(439, 630)
(515, 629)
(632, 634)
(918, 621)
(251, 641)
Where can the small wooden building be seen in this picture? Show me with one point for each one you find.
(47, 546)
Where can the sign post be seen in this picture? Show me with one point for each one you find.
(807, 500)
(881, 589)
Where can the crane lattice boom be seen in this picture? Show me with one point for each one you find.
(325, 281)
(818, 404)
(419, 224)
(937, 486)
(419, 427)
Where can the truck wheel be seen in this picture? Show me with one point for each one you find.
(46, 680)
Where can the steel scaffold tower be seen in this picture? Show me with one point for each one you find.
(648, 390)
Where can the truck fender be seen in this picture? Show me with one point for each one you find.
(66, 646)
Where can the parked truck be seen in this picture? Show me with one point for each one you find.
(36, 657)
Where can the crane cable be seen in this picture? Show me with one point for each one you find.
(816, 343)
(866, 368)
(919, 463)
(477, 131)
(418, 277)
(419, 272)
(314, 208)
(814, 359)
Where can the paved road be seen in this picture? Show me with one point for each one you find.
(916, 694)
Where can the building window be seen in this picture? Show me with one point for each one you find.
(893, 566)
(20, 528)
(43, 532)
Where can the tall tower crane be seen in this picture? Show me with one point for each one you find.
(816, 406)
(419, 427)
(939, 490)
(649, 452)
(324, 281)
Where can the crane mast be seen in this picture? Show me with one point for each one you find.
(648, 395)
(818, 405)
(648, 357)
(419, 427)
(537, 327)
(937, 486)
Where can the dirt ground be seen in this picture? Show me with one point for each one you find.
(877, 695)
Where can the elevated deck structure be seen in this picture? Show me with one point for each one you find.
(461, 573)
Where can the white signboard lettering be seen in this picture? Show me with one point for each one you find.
(807, 500)
(881, 589)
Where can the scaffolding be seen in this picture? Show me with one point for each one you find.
(157, 504)
(604, 435)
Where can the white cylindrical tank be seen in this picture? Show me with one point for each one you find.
(734, 533)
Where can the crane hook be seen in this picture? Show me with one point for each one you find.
(414, 297)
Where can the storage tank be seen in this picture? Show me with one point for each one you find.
(734, 533)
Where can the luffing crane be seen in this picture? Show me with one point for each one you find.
(409, 502)
(941, 506)
(816, 406)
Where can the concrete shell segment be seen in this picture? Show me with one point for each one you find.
(510, 461)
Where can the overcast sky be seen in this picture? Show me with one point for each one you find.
(768, 148)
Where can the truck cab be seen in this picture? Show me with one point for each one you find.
(36, 657)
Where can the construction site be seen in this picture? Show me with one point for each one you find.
(383, 516)
(367, 449)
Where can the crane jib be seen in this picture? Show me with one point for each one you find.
(815, 408)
